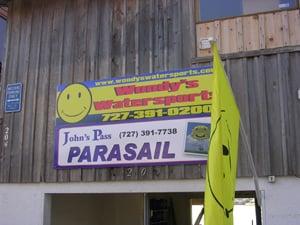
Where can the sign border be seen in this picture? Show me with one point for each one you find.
(20, 103)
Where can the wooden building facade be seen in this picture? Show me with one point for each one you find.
(50, 42)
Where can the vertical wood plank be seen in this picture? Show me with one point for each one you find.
(274, 116)
(144, 29)
(176, 172)
(239, 34)
(238, 76)
(28, 160)
(65, 77)
(217, 34)
(159, 58)
(274, 30)
(258, 115)
(21, 76)
(43, 122)
(251, 33)
(118, 50)
(131, 173)
(117, 174)
(192, 27)
(160, 172)
(203, 170)
(145, 61)
(3, 77)
(92, 46)
(283, 69)
(261, 31)
(79, 59)
(294, 84)
(174, 41)
(294, 24)
(165, 31)
(104, 58)
(159, 35)
(151, 38)
(188, 32)
(204, 31)
(289, 116)
(137, 56)
(118, 38)
(229, 36)
(192, 171)
(285, 28)
(50, 174)
(105, 39)
(34, 173)
(80, 31)
(56, 61)
(131, 17)
(92, 34)
(6, 123)
(145, 173)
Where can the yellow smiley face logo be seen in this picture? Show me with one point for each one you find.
(74, 103)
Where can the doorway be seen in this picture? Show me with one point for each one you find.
(143, 209)
(97, 209)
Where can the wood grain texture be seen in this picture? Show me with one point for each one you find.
(237, 72)
(118, 38)
(258, 115)
(294, 24)
(251, 33)
(294, 132)
(29, 91)
(18, 67)
(56, 32)
(118, 56)
(103, 57)
(79, 56)
(266, 91)
(274, 114)
(4, 152)
(33, 74)
(64, 28)
(40, 141)
(247, 33)
(55, 42)
(144, 39)
(92, 34)
(131, 28)
(159, 35)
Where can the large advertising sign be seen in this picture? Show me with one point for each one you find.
(153, 119)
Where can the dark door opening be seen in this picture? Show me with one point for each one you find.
(184, 208)
(142, 209)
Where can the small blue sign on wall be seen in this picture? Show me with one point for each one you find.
(13, 98)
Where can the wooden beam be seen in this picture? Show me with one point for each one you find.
(249, 54)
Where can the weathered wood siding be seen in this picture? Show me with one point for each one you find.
(261, 31)
(266, 87)
(61, 41)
